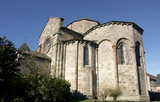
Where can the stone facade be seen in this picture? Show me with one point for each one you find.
(93, 56)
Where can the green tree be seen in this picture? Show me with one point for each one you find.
(8, 70)
(43, 86)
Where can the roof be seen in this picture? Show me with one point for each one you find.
(71, 31)
(158, 80)
(37, 54)
(41, 55)
(115, 22)
(83, 19)
(24, 47)
(151, 76)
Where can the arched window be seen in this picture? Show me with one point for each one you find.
(47, 45)
(86, 55)
(137, 50)
(122, 54)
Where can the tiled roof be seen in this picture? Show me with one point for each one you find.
(41, 55)
(24, 47)
(37, 54)
(71, 31)
(151, 76)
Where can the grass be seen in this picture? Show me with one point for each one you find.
(87, 100)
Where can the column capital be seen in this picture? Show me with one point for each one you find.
(133, 47)
(114, 46)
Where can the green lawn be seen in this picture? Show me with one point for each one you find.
(87, 100)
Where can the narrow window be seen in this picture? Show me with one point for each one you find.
(138, 53)
(86, 55)
(122, 54)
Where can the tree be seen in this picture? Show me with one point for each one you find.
(43, 87)
(8, 70)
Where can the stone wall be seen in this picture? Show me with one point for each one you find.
(71, 65)
(103, 70)
(127, 73)
(82, 26)
(52, 26)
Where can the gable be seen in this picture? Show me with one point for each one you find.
(24, 47)
(52, 27)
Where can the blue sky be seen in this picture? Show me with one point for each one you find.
(20, 18)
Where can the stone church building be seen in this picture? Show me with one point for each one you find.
(93, 56)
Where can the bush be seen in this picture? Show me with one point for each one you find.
(115, 92)
(49, 89)
(112, 92)
(43, 86)
(104, 93)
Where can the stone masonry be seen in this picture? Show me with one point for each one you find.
(93, 56)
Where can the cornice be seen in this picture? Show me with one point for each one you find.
(140, 30)
(79, 41)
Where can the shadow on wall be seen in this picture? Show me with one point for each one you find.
(77, 95)
(154, 96)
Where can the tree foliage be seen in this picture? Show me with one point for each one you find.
(42, 86)
(8, 70)
(36, 85)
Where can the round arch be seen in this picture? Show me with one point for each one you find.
(123, 40)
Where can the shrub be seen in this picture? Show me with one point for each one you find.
(43, 86)
(114, 92)
(103, 94)
(49, 89)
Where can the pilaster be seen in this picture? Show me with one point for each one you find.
(136, 70)
(97, 71)
(115, 65)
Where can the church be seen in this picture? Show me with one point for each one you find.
(93, 56)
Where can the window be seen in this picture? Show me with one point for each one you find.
(137, 50)
(122, 54)
(86, 55)
(47, 45)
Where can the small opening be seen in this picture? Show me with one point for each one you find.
(138, 53)
(86, 55)
(122, 54)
